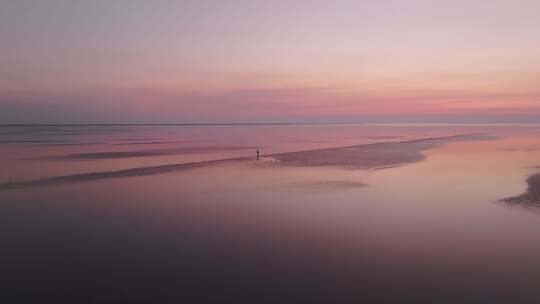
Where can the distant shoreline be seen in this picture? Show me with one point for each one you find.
(263, 124)
(364, 156)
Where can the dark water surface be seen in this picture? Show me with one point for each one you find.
(431, 229)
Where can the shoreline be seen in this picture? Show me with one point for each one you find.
(530, 199)
(366, 156)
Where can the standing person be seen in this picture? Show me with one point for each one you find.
(257, 153)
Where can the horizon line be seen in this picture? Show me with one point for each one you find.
(258, 123)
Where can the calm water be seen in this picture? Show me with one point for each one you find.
(251, 231)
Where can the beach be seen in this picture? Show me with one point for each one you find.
(368, 156)
(320, 220)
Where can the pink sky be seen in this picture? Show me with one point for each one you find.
(229, 61)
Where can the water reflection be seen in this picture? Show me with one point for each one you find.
(252, 232)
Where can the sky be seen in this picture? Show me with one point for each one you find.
(135, 61)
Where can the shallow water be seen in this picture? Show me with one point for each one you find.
(430, 230)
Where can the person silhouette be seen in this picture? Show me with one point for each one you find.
(258, 153)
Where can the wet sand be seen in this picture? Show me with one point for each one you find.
(31, 141)
(329, 185)
(159, 142)
(369, 156)
(142, 153)
(531, 198)
(139, 171)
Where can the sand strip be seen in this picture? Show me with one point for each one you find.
(371, 156)
(143, 153)
(531, 198)
(378, 155)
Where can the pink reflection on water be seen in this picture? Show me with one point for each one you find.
(432, 223)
